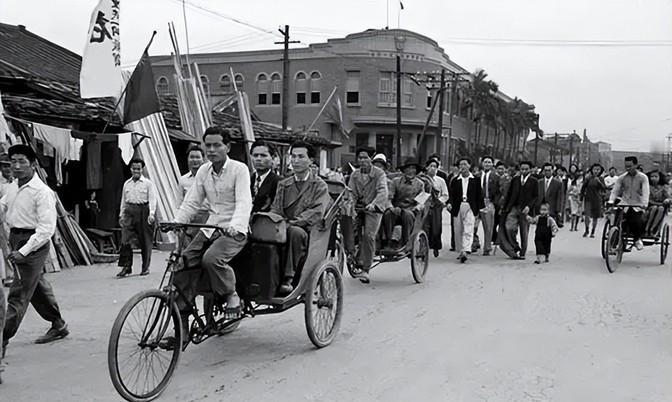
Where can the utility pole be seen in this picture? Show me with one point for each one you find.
(399, 89)
(536, 146)
(571, 148)
(439, 137)
(555, 149)
(285, 75)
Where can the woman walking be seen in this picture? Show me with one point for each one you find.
(573, 196)
(439, 200)
(592, 193)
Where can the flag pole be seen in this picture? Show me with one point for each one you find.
(322, 110)
(116, 104)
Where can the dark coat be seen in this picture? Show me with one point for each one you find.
(521, 197)
(263, 200)
(474, 196)
(493, 187)
(553, 195)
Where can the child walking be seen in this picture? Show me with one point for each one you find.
(546, 230)
(573, 195)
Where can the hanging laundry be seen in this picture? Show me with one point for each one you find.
(126, 146)
(75, 149)
(59, 139)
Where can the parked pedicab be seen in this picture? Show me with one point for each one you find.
(616, 240)
(141, 366)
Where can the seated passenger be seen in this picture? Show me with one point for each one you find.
(369, 192)
(659, 201)
(302, 200)
(264, 180)
(225, 184)
(632, 188)
(403, 190)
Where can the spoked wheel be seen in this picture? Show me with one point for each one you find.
(337, 255)
(614, 249)
(324, 304)
(420, 256)
(140, 370)
(664, 242)
(605, 234)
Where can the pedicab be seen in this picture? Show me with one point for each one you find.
(616, 240)
(416, 249)
(139, 363)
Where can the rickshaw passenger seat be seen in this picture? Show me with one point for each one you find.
(258, 272)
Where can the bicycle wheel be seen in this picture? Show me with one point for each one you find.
(324, 305)
(140, 370)
(664, 242)
(420, 256)
(605, 233)
(614, 249)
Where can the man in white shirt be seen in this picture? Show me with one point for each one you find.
(466, 200)
(29, 208)
(225, 184)
(610, 180)
(136, 218)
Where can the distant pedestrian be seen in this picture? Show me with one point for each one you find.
(30, 211)
(592, 194)
(544, 233)
(573, 200)
(465, 203)
(195, 159)
(137, 217)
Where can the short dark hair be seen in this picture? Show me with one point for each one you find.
(216, 130)
(547, 164)
(500, 163)
(546, 203)
(262, 143)
(136, 160)
(369, 151)
(528, 163)
(22, 149)
(303, 144)
(612, 168)
(195, 148)
(464, 158)
(632, 159)
(487, 157)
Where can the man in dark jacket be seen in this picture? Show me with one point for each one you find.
(489, 182)
(465, 202)
(520, 202)
(550, 191)
(264, 181)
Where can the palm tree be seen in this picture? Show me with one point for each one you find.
(481, 98)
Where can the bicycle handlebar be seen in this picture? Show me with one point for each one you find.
(171, 226)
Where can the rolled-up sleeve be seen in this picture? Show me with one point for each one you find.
(241, 214)
(46, 223)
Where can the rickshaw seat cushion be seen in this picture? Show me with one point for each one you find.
(267, 227)
(258, 271)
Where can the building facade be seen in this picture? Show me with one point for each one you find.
(362, 68)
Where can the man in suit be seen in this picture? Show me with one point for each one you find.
(550, 191)
(489, 182)
(302, 199)
(465, 202)
(520, 202)
(264, 182)
(454, 172)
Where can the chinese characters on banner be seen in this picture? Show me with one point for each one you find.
(101, 65)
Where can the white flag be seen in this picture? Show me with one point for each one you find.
(101, 64)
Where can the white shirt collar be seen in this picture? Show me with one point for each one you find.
(471, 176)
(297, 178)
(34, 182)
(262, 177)
(212, 167)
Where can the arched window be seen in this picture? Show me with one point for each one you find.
(206, 84)
(240, 81)
(225, 84)
(315, 87)
(162, 86)
(301, 83)
(276, 88)
(262, 89)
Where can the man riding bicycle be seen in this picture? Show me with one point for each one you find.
(225, 184)
(632, 188)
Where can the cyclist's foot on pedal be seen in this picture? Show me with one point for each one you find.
(639, 245)
(233, 309)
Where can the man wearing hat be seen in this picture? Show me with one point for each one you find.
(369, 192)
(403, 190)
(29, 208)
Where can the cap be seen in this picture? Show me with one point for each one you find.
(4, 158)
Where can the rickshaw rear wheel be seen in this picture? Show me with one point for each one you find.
(664, 242)
(324, 304)
(614, 249)
(605, 234)
(419, 256)
(139, 368)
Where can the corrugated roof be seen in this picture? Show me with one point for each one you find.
(25, 53)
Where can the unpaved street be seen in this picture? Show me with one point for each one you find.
(488, 330)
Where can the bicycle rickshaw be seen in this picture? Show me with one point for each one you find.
(616, 240)
(141, 367)
(417, 248)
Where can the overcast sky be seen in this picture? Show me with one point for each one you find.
(619, 94)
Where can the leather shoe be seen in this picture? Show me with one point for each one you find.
(285, 287)
(53, 334)
(144, 272)
(125, 271)
(463, 258)
(436, 253)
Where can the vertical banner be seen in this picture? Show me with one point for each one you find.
(101, 64)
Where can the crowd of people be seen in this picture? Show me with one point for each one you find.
(486, 197)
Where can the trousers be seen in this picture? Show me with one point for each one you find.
(390, 219)
(634, 223)
(134, 222)
(33, 288)
(515, 220)
(488, 219)
(434, 227)
(367, 225)
(296, 250)
(206, 267)
(464, 228)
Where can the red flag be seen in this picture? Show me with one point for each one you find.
(141, 99)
